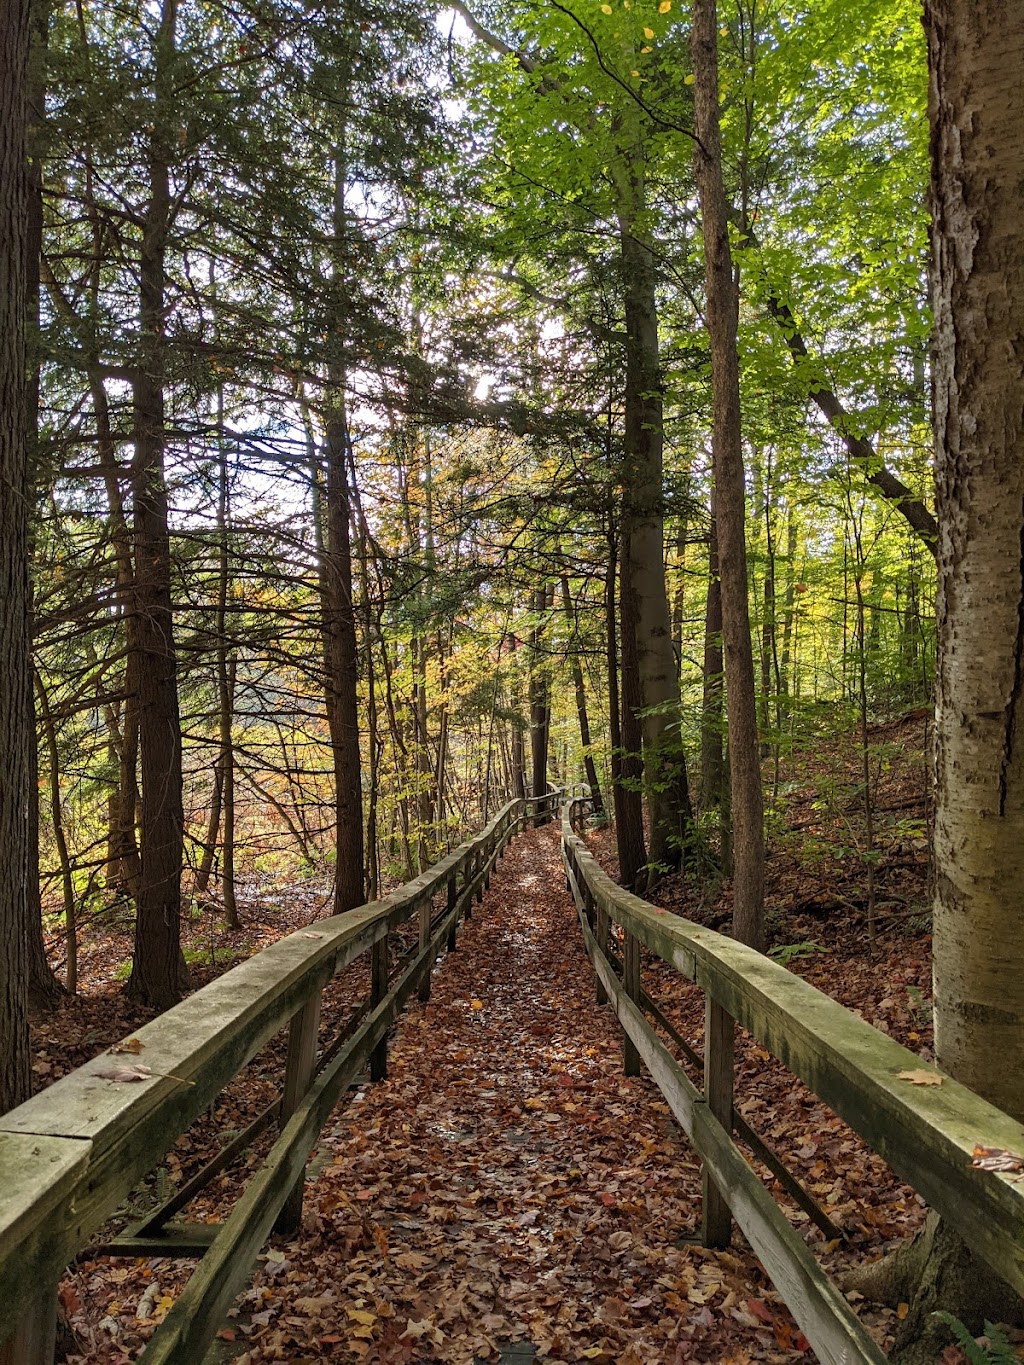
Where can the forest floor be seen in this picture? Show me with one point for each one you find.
(507, 1182)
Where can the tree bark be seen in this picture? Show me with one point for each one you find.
(15, 695)
(540, 700)
(159, 975)
(976, 54)
(747, 800)
(343, 663)
(581, 701)
(712, 747)
(627, 737)
(664, 764)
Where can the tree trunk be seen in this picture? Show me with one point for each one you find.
(581, 700)
(45, 990)
(712, 747)
(15, 695)
(976, 54)
(664, 764)
(518, 757)
(628, 741)
(343, 664)
(540, 701)
(159, 975)
(747, 802)
(60, 839)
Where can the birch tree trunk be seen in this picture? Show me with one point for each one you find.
(976, 55)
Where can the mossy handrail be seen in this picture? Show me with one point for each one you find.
(927, 1133)
(70, 1155)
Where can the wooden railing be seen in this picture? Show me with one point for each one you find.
(926, 1133)
(70, 1155)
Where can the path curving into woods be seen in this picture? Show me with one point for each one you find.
(506, 1183)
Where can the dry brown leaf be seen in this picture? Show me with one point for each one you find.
(996, 1159)
(129, 1045)
(919, 1076)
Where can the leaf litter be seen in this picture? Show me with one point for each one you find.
(507, 1183)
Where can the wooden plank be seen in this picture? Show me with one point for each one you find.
(187, 1192)
(424, 910)
(750, 1136)
(206, 1040)
(193, 1321)
(719, 1043)
(186, 1241)
(631, 985)
(379, 968)
(821, 1311)
(926, 1133)
(452, 894)
(303, 1036)
(34, 1338)
(39, 1177)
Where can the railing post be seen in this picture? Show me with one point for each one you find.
(34, 1340)
(488, 854)
(719, 1041)
(601, 933)
(479, 869)
(303, 1033)
(631, 982)
(453, 895)
(425, 908)
(379, 962)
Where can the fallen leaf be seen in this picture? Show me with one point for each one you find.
(996, 1159)
(476, 1004)
(129, 1045)
(920, 1077)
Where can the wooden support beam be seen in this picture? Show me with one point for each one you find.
(819, 1308)
(300, 1067)
(35, 1337)
(631, 985)
(926, 1133)
(424, 911)
(182, 1241)
(379, 963)
(452, 897)
(719, 1036)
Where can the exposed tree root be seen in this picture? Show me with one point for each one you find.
(935, 1272)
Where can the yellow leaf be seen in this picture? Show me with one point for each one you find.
(646, 49)
(902, 1310)
(634, 73)
(689, 80)
(476, 1004)
(665, 6)
(919, 1077)
(364, 1319)
(606, 9)
(648, 33)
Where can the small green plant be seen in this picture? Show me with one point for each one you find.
(123, 970)
(786, 953)
(206, 956)
(996, 1351)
